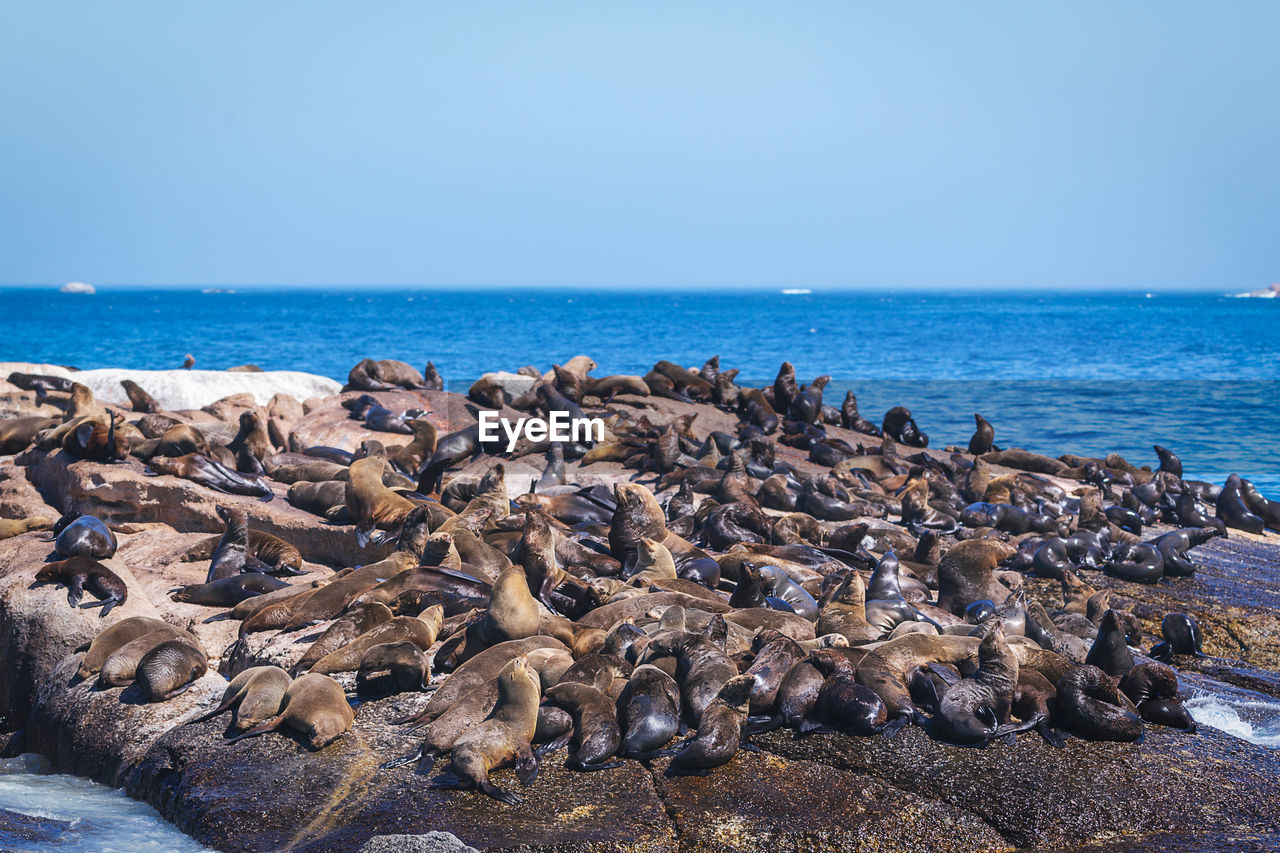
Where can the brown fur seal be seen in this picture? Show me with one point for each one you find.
(314, 706)
(966, 574)
(383, 375)
(80, 574)
(112, 638)
(596, 734)
(648, 711)
(512, 614)
(228, 592)
(213, 475)
(169, 669)
(121, 666)
(252, 444)
(405, 662)
(720, 730)
(275, 553)
(1091, 705)
(256, 695)
(845, 612)
(359, 618)
(975, 709)
(371, 504)
(504, 738)
(538, 551)
(17, 434)
(419, 630)
(16, 527)
(477, 671)
(140, 400)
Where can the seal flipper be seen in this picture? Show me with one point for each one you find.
(526, 765)
(552, 745)
(260, 729)
(363, 532)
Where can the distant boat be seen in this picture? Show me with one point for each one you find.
(796, 291)
(1271, 292)
(77, 287)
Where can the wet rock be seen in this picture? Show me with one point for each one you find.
(18, 828)
(1087, 792)
(763, 802)
(431, 842)
(272, 793)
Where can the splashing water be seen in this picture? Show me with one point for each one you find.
(42, 811)
(1253, 720)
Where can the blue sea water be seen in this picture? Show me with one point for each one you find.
(1084, 373)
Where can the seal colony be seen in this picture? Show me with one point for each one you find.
(663, 594)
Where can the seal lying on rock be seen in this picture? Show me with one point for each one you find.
(79, 574)
(315, 706)
(256, 695)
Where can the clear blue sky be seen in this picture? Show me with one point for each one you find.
(925, 144)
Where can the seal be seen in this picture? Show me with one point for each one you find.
(315, 706)
(277, 555)
(842, 704)
(169, 669)
(596, 733)
(983, 436)
(720, 731)
(371, 504)
(16, 527)
(775, 656)
(383, 375)
(140, 400)
(419, 630)
(845, 612)
(1234, 511)
(79, 535)
(506, 737)
(17, 434)
(111, 638)
(806, 407)
(702, 667)
(231, 555)
(1110, 651)
(229, 591)
(120, 667)
(359, 618)
(213, 475)
(976, 709)
(648, 712)
(1182, 636)
(256, 695)
(81, 574)
(901, 427)
(966, 573)
(1091, 705)
(407, 665)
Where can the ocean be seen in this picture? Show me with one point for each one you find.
(1054, 372)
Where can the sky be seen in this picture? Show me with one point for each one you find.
(629, 145)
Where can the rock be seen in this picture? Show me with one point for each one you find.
(39, 629)
(122, 493)
(286, 408)
(431, 842)
(329, 425)
(763, 802)
(77, 287)
(187, 389)
(1088, 792)
(337, 799)
(16, 827)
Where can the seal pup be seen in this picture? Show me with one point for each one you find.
(140, 400)
(121, 666)
(315, 706)
(256, 694)
(407, 666)
(16, 527)
(227, 592)
(212, 474)
(81, 574)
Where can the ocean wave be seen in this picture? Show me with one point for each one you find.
(1253, 720)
